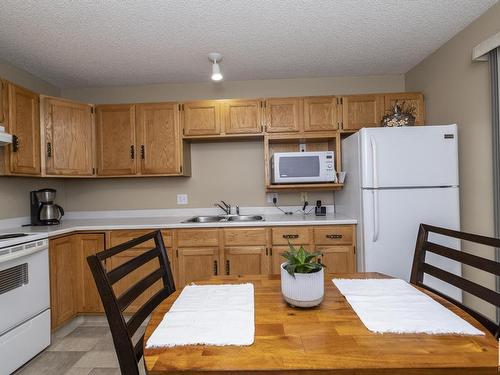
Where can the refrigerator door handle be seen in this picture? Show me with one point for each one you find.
(373, 145)
(375, 216)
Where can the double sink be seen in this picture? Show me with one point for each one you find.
(224, 218)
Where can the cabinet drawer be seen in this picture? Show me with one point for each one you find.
(197, 237)
(245, 236)
(120, 236)
(296, 235)
(336, 234)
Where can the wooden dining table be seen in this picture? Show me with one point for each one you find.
(328, 339)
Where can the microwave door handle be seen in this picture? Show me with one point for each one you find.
(376, 224)
(374, 162)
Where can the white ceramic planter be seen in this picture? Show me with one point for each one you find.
(303, 290)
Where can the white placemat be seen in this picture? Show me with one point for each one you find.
(208, 315)
(394, 306)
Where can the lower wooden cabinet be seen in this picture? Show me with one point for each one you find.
(246, 260)
(63, 280)
(337, 259)
(194, 254)
(132, 278)
(72, 287)
(88, 299)
(197, 263)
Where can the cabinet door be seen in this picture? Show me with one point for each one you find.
(89, 300)
(118, 237)
(116, 153)
(134, 277)
(242, 116)
(68, 137)
(3, 102)
(360, 111)
(246, 260)
(63, 260)
(337, 259)
(197, 263)
(277, 258)
(24, 125)
(159, 138)
(283, 115)
(410, 98)
(202, 118)
(320, 113)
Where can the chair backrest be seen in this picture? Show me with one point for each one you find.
(420, 267)
(129, 354)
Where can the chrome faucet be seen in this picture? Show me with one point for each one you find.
(226, 208)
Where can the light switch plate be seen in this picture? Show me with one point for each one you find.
(182, 199)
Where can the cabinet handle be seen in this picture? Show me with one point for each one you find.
(49, 149)
(267, 251)
(333, 236)
(290, 236)
(215, 268)
(271, 251)
(143, 152)
(15, 143)
(132, 152)
(228, 267)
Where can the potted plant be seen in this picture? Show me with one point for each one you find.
(302, 278)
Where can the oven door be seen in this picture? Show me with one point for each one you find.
(24, 288)
(298, 168)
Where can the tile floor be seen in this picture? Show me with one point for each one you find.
(87, 350)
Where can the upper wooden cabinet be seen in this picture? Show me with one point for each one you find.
(68, 137)
(158, 135)
(202, 118)
(283, 115)
(415, 99)
(242, 116)
(360, 111)
(320, 113)
(3, 101)
(24, 124)
(116, 149)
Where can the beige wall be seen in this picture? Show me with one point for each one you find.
(458, 90)
(14, 191)
(233, 171)
(238, 89)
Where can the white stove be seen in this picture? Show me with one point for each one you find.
(24, 298)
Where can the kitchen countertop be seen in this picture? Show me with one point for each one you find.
(73, 224)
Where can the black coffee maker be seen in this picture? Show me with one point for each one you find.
(43, 209)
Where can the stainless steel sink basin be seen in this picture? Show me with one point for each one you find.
(226, 218)
(245, 218)
(205, 219)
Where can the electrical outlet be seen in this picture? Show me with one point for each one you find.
(270, 197)
(302, 147)
(182, 199)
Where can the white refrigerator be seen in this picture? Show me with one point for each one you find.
(398, 178)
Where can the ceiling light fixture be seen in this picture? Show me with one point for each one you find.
(215, 57)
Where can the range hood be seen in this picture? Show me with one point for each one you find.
(5, 138)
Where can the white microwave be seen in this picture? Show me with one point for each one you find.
(296, 167)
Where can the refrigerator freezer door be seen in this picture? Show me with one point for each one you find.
(391, 220)
(413, 156)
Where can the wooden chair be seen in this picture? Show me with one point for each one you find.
(420, 267)
(129, 354)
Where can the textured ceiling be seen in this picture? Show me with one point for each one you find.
(111, 42)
